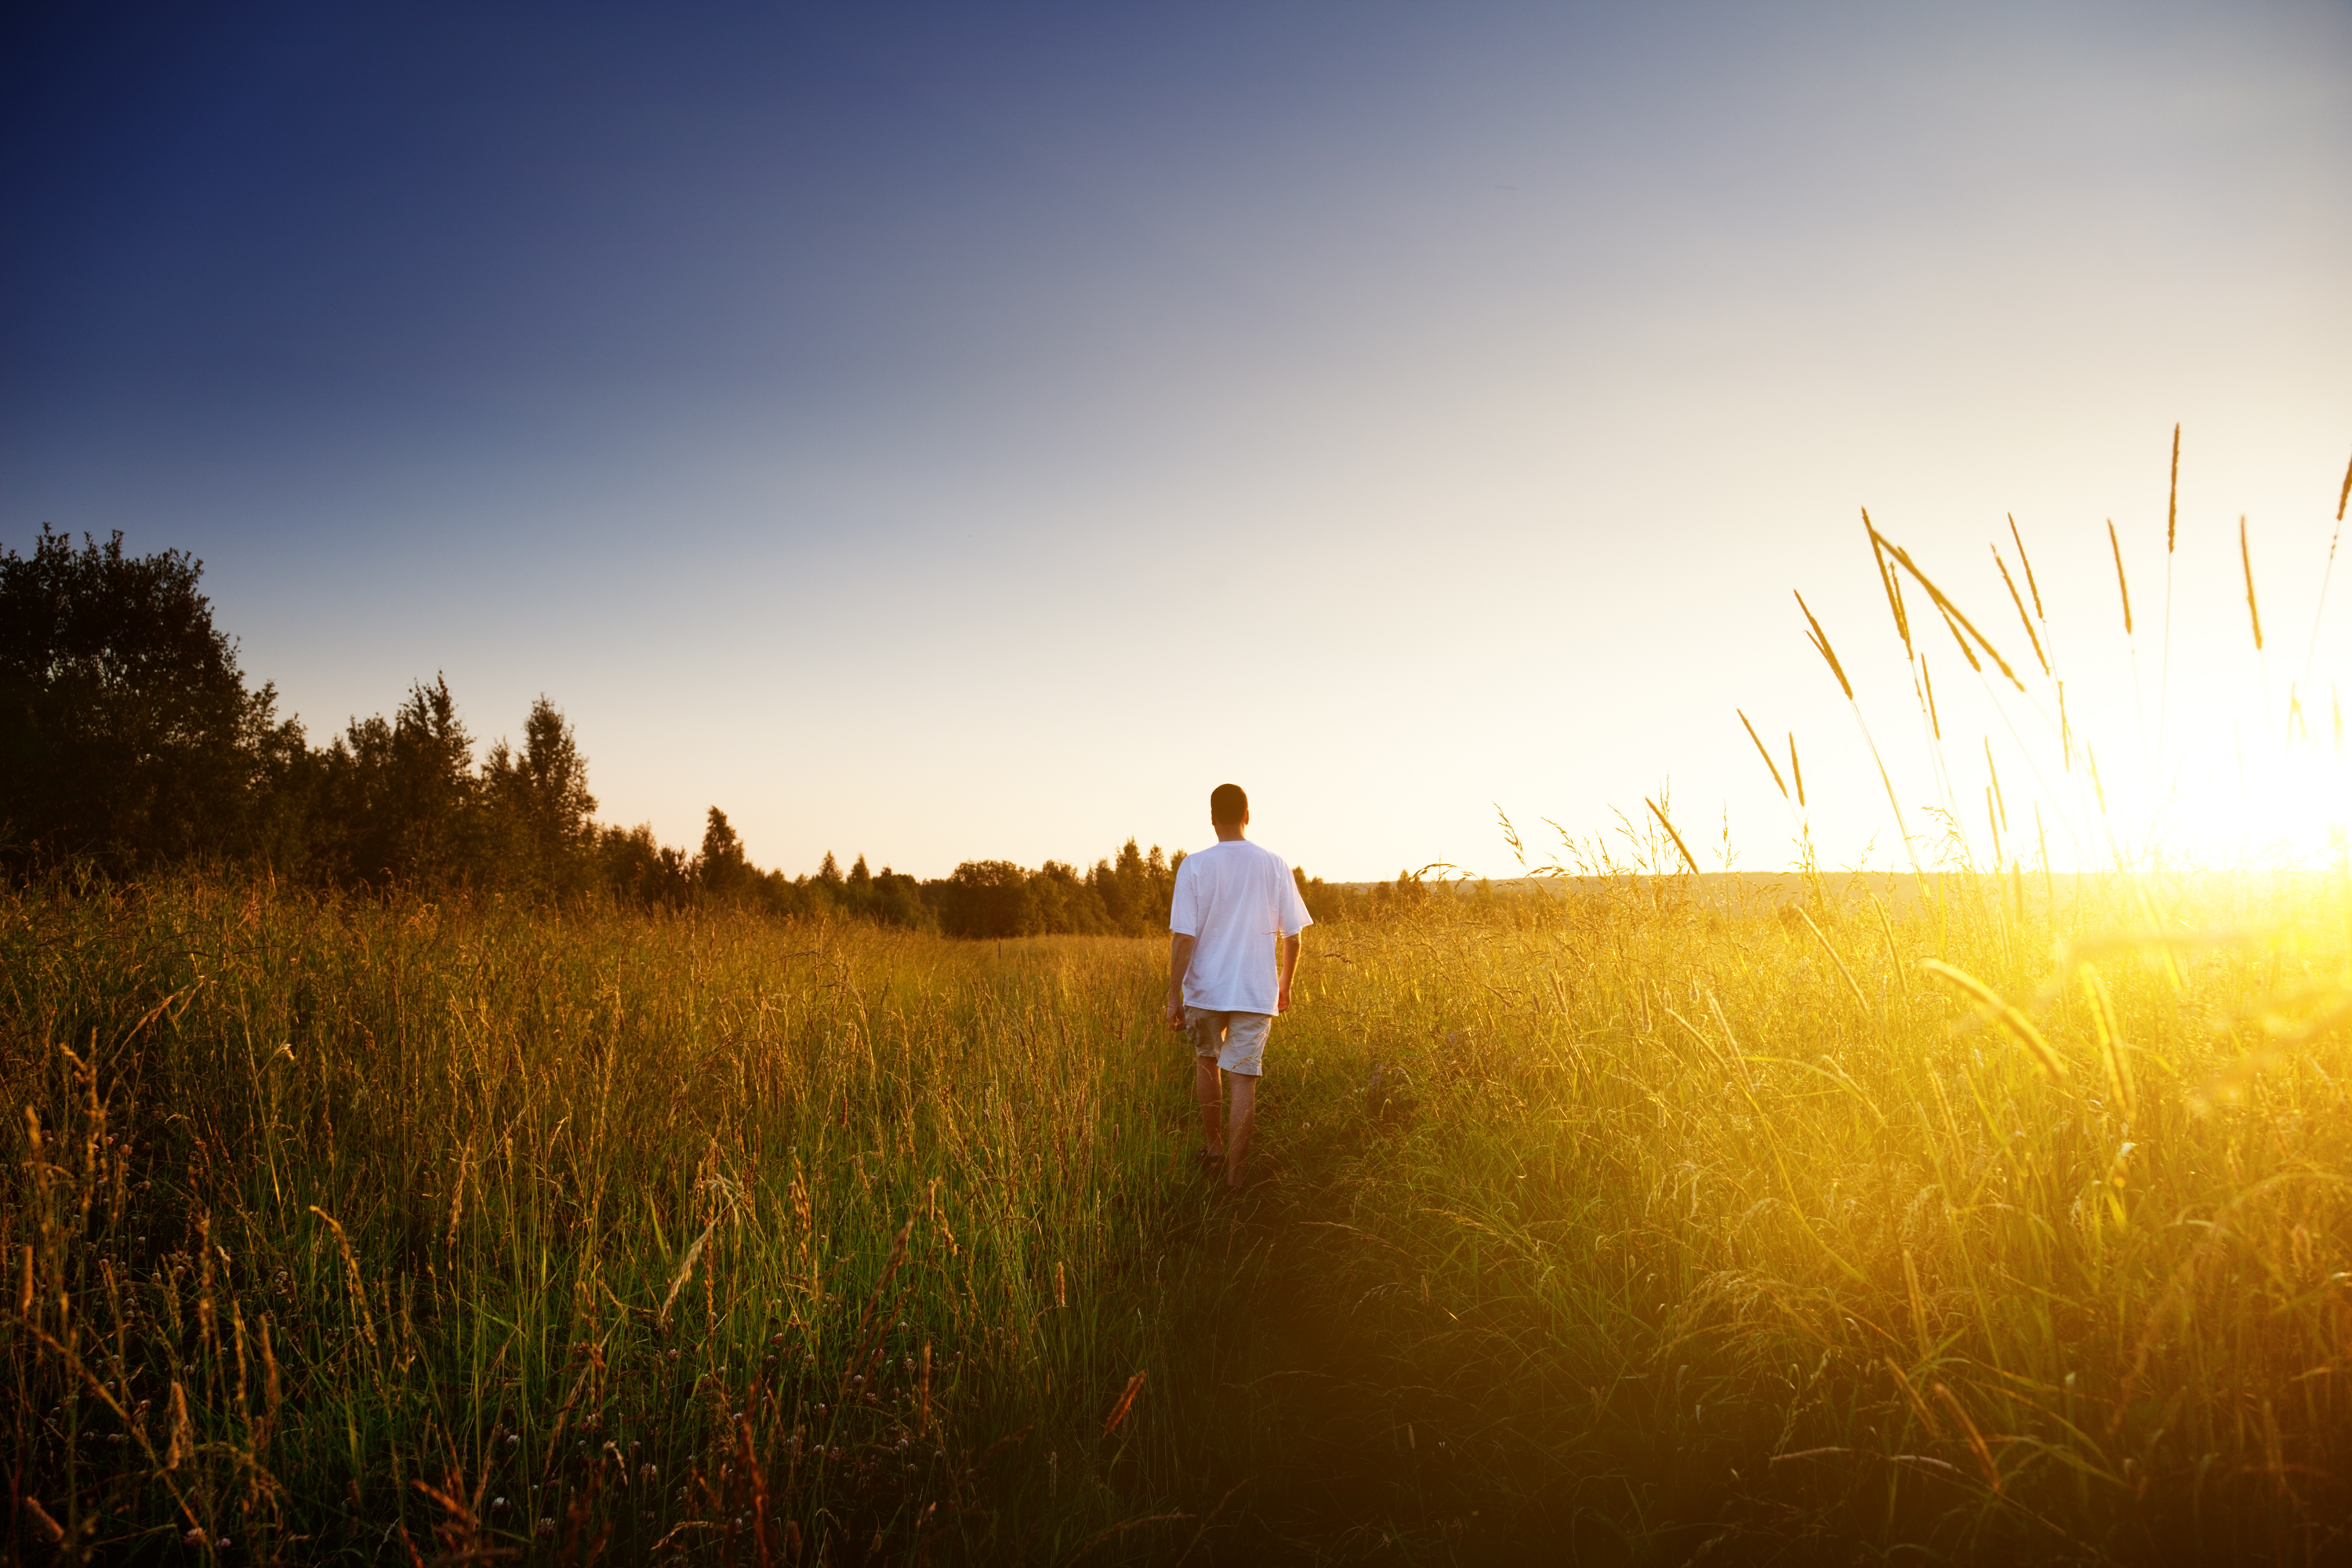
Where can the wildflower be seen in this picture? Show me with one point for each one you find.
(195, 1537)
(514, 1439)
(547, 1527)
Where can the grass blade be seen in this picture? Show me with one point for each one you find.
(1820, 641)
(2014, 1023)
(2254, 610)
(1762, 752)
(1688, 859)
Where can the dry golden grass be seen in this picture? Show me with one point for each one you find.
(1671, 1219)
(327, 1219)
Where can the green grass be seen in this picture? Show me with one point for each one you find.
(1628, 1228)
(532, 1207)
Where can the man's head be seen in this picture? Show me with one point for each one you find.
(1228, 807)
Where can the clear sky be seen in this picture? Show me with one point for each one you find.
(976, 431)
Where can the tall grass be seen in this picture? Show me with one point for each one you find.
(331, 1224)
(1648, 1216)
(1735, 1232)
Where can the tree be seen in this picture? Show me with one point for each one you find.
(1326, 901)
(722, 869)
(127, 737)
(1119, 889)
(898, 901)
(639, 868)
(987, 898)
(126, 733)
(401, 800)
(1061, 902)
(540, 805)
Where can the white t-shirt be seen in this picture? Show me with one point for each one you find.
(1232, 899)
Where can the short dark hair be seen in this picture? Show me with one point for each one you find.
(1228, 803)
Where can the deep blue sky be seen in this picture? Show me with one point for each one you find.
(977, 431)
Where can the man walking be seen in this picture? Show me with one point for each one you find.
(1234, 903)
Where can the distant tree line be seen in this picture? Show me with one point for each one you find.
(129, 742)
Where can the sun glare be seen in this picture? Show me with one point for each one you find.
(2262, 801)
(2146, 725)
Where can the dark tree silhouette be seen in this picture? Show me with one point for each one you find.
(126, 733)
(401, 799)
(722, 870)
(541, 815)
(638, 869)
(128, 741)
(988, 898)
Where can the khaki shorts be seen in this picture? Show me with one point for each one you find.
(1236, 1040)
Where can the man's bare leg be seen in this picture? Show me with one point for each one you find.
(1205, 1089)
(1237, 1136)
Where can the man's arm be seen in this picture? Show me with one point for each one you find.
(1290, 946)
(1180, 958)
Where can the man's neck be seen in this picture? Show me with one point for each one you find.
(1227, 834)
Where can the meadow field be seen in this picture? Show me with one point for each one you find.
(1641, 1223)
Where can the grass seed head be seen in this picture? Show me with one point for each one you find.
(1761, 752)
(2172, 500)
(2123, 586)
(1820, 641)
(2007, 581)
(2254, 609)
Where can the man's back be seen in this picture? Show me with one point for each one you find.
(1234, 898)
